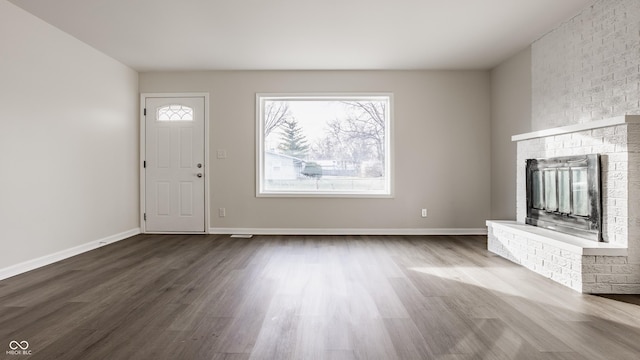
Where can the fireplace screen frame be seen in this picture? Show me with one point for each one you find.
(585, 224)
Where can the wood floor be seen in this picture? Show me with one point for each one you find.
(307, 297)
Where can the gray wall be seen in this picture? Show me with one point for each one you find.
(68, 141)
(589, 67)
(510, 115)
(442, 148)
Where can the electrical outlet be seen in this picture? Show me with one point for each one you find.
(424, 212)
(222, 212)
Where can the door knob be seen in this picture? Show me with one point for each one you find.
(199, 175)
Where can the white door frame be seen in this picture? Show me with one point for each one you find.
(143, 98)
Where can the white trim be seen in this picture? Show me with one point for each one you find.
(318, 231)
(562, 241)
(207, 162)
(64, 254)
(388, 192)
(175, 232)
(143, 179)
(614, 121)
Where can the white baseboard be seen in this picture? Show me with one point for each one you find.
(64, 254)
(311, 231)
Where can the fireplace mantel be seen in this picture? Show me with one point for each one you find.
(614, 121)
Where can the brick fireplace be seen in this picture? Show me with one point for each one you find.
(585, 99)
(610, 266)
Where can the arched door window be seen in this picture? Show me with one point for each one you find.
(175, 112)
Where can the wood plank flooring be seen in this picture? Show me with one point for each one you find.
(307, 297)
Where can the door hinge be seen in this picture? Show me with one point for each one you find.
(145, 111)
(145, 216)
(144, 164)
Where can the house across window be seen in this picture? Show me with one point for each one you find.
(324, 145)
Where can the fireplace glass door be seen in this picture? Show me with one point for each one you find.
(564, 194)
(550, 190)
(580, 192)
(564, 191)
(537, 197)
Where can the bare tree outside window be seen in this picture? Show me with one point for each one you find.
(275, 113)
(324, 145)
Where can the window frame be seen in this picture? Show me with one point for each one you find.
(387, 192)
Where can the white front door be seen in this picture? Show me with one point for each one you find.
(174, 164)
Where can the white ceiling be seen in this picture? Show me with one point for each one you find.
(158, 35)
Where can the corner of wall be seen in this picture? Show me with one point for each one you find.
(510, 115)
